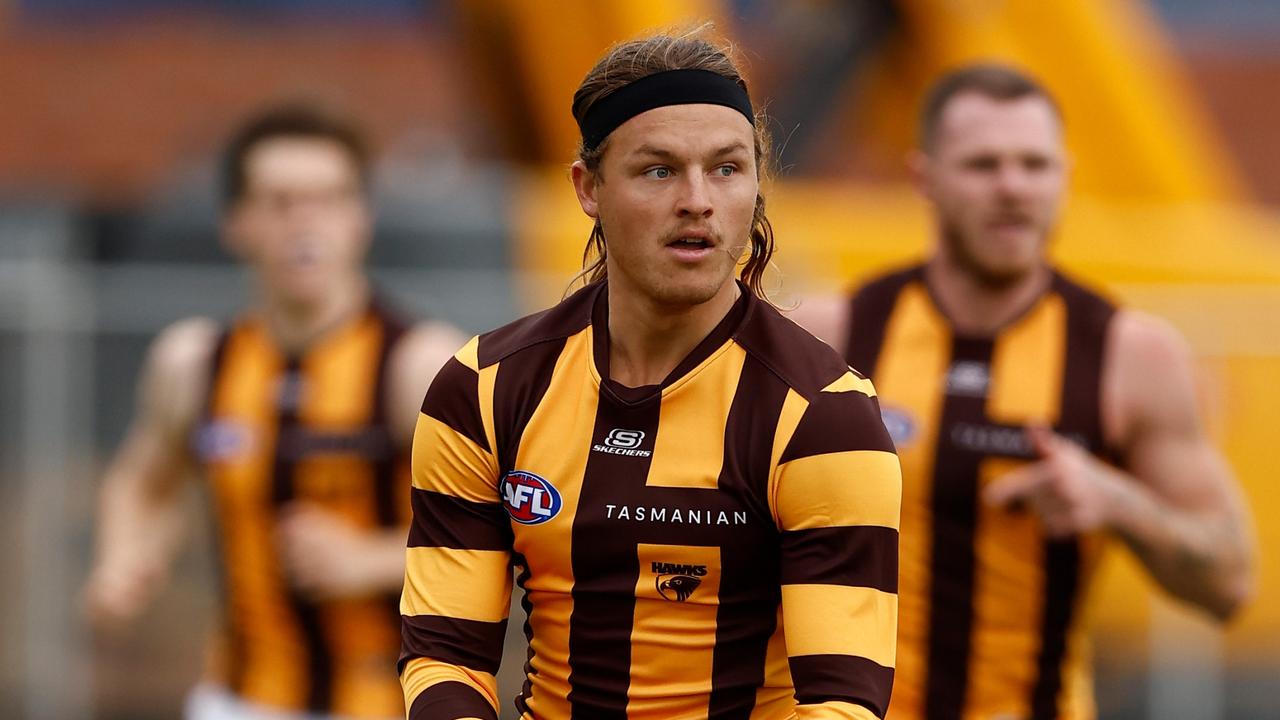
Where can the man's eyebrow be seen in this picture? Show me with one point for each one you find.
(730, 149)
(664, 154)
(655, 152)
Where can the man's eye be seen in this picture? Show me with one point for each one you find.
(659, 173)
(726, 170)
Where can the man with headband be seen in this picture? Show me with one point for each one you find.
(698, 496)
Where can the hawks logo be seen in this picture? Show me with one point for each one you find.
(677, 582)
(529, 499)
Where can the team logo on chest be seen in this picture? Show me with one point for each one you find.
(528, 498)
(675, 581)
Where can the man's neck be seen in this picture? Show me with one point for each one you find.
(978, 308)
(294, 326)
(648, 340)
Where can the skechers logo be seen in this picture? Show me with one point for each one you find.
(529, 499)
(676, 582)
(623, 442)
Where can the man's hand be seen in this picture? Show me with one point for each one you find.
(326, 557)
(118, 592)
(1070, 490)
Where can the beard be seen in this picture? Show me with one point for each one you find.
(961, 249)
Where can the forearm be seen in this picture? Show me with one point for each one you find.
(1205, 560)
(137, 523)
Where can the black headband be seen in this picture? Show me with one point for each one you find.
(671, 87)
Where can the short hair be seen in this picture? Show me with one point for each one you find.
(290, 120)
(630, 61)
(994, 81)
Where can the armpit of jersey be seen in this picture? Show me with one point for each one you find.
(836, 494)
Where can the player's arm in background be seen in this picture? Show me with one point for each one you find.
(1186, 518)
(1176, 504)
(326, 557)
(457, 584)
(142, 505)
(837, 494)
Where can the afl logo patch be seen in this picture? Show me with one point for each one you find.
(221, 440)
(902, 429)
(529, 499)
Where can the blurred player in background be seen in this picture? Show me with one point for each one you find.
(299, 416)
(699, 496)
(1033, 419)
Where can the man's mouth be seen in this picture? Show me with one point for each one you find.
(689, 243)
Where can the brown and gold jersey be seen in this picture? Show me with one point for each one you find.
(313, 429)
(721, 545)
(989, 606)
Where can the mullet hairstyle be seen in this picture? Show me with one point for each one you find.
(630, 61)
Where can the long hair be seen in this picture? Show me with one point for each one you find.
(630, 61)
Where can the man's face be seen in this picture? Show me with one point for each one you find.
(675, 193)
(995, 177)
(302, 222)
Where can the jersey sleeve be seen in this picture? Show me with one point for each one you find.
(836, 495)
(457, 584)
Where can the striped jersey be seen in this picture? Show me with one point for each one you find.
(989, 605)
(723, 544)
(310, 428)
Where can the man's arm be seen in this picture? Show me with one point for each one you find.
(837, 494)
(141, 514)
(328, 557)
(457, 583)
(1176, 505)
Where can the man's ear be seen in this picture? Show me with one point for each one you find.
(919, 168)
(585, 185)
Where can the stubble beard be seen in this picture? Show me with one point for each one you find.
(987, 276)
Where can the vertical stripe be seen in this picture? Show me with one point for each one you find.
(232, 640)
(518, 390)
(1062, 565)
(522, 579)
(869, 312)
(239, 463)
(954, 508)
(1027, 367)
(696, 464)
(319, 662)
(1008, 600)
(1088, 318)
(387, 488)
(749, 582)
(555, 445)
(605, 568)
(1025, 387)
(677, 591)
(910, 378)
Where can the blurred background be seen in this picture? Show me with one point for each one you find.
(112, 113)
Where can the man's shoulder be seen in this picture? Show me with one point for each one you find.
(186, 347)
(1085, 298)
(800, 360)
(569, 317)
(887, 284)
